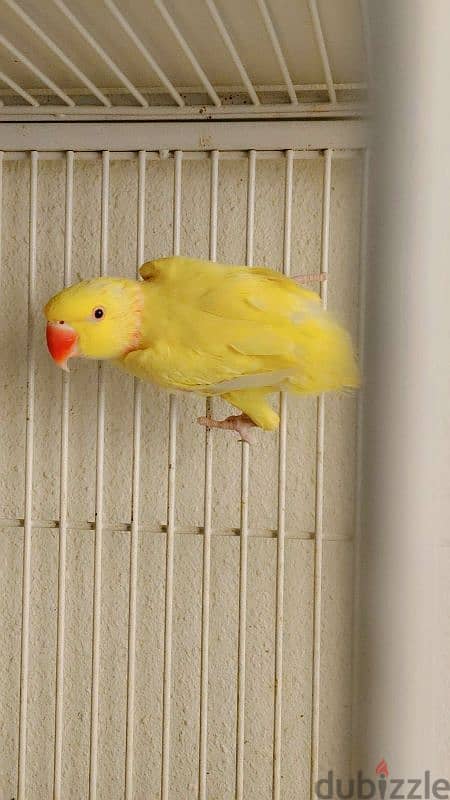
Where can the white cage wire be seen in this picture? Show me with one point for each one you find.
(286, 86)
(136, 526)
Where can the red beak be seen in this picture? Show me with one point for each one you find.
(61, 342)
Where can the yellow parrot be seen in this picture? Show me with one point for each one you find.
(240, 333)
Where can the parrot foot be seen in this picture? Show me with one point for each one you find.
(240, 423)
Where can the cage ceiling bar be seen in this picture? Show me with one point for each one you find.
(99, 497)
(63, 498)
(170, 535)
(100, 52)
(233, 52)
(145, 52)
(187, 50)
(318, 541)
(314, 11)
(57, 51)
(278, 50)
(18, 89)
(29, 454)
(35, 70)
(135, 502)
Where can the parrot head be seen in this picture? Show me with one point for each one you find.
(99, 318)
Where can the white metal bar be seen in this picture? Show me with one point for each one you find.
(245, 462)
(188, 52)
(278, 50)
(29, 447)
(230, 155)
(198, 136)
(35, 70)
(318, 32)
(318, 542)
(144, 51)
(233, 52)
(207, 527)
(359, 450)
(57, 51)
(100, 457)
(18, 89)
(100, 52)
(279, 627)
(63, 471)
(170, 535)
(135, 490)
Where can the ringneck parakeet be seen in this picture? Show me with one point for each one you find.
(240, 333)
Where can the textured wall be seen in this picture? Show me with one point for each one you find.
(338, 505)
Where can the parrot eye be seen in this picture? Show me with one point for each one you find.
(99, 313)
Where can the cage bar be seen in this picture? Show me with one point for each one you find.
(145, 52)
(135, 499)
(317, 25)
(262, 5)
(170, 22)
(29, 452)
(207, 526)
(233, 52)
(100, 51)
(62, 538)
(318, 540)
(57, 51)
(281, 532)
(100, 458)
(243, 557)
(170, 535)
(15, 86)
(35, 70)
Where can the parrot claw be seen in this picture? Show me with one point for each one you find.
(240, 424)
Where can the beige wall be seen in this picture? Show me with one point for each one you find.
(340, 432)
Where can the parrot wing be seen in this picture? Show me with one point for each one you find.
(227, 324)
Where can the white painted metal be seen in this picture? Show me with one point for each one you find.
(135, 499)
(35, 70)
(144, 51)
(245, 464)
(312, 4)
(281, 533)
(100, 51)
(100, 459)
(29, 447)
(64, 461)
(207, 530)
(233, 52)
(18, 89)
(57, 51)
(188, 52)
(170, 534)
(318, 540)
(262, 5)
(203, 136)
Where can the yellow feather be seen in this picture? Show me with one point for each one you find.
(237, 332)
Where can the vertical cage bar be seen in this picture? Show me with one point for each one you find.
(320, 40)
(279, 628)
(170, 535)
(318, 540)
(207, 506)
(245, 463)
(63, 469)
(135, 499)
(100, 456)
(29, 443)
